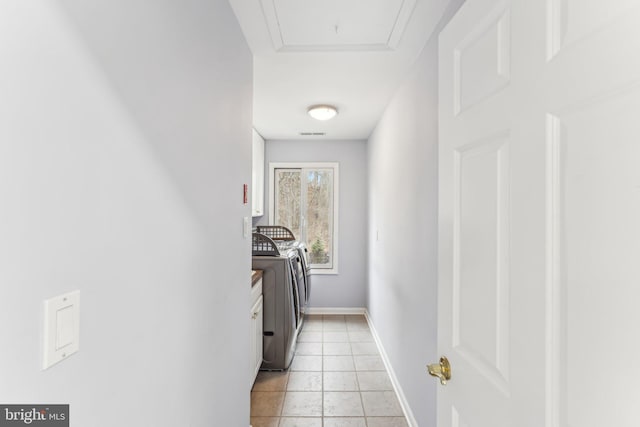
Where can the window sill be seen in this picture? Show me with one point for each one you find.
(323, 272)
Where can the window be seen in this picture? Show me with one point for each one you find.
(304, 198)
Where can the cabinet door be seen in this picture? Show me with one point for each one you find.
(257, 176)
(256, 338)
(252, 349)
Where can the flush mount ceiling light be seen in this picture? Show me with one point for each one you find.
(322, 112)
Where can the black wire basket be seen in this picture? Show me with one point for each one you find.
(263, 245)
(276, 232)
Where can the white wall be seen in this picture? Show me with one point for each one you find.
(125, 138)
(403, 213)
(348, 287)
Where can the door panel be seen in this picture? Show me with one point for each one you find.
(482, 59)
(480, 281)
(591, 102)
(456, 419)
(571, 21)
(598, 240)
(604, 60)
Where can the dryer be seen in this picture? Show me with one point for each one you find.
(282, 317)
(285, 240)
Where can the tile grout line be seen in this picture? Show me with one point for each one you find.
(364, 413)
(286, 390)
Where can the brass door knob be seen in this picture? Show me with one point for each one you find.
(441, 370)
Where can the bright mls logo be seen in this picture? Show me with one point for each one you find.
(34, 415)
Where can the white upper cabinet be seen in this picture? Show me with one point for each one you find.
(257, 176)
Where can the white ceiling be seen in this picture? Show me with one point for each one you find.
(349, 53)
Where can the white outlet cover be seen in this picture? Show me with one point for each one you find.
(61, 328)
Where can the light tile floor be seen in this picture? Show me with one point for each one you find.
(337, 379)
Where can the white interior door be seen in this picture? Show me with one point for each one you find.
(539, 213)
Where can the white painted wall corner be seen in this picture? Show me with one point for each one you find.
(411, 420)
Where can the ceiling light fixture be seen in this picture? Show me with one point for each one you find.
(322, 112)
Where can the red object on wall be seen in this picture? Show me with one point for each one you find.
(245, 197)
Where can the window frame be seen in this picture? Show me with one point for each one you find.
(336, 197)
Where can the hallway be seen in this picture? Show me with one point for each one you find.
(336, 379)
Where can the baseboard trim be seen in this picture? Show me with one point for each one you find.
(411, 420)
(336, 310)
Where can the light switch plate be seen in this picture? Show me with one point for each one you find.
(246, 227)
(61, 328)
